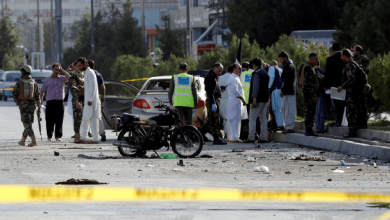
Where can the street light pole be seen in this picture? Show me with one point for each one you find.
(92, 29)
(39, 48)
(52, 29)
(59, 29)
(188, 29)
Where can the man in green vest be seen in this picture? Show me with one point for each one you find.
(182, 93)
(246, 77)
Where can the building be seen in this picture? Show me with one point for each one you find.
(321, 38)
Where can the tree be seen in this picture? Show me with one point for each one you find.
(379, 78)
(365, 22)
(8, 39)
(170, 39)
(11, 62)
(264, 20)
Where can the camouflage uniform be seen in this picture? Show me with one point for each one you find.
(309, 93)
(213, 121)
(364, 63)
(74, 82)
(353, 96)
(27, 107)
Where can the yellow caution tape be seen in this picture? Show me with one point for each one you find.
(16, 194)
(8, 89)
(384, 216)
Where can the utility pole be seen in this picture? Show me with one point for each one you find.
(143, 19)
(92, 29)
(59, 30)
(39, 43)
(188, 29)
(52, 29)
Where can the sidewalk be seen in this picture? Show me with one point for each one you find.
(369, 143)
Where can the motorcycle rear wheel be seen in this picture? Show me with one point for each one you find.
(187, 150)
(126, 151)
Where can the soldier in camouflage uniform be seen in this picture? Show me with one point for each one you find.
(76, 85)
(213, 92)
(27, 105)
(350, 84)
(364, 62)
(309, 93)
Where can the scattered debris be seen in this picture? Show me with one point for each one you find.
(168, 156)
(154, 156)
(195, 165)
(306, 158)
(81, 165)
(338, 170)
(175, 169)
(180, 163)
(310, 165)
(374, 164)
(322, 152)
(359, 170)
(374, 158)
(56, 153)
(80, 182)
(329, 180)
(264, 169)
(238, 150)
(365, 160)
(342, 163)
(287, 172)
(224, 161)
(149, 165)
(206, 156)
(96, 158)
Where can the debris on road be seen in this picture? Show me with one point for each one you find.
(81, 165)
(287, 172)
(306, 158)
(238, 150)
(338, 170)
(149, 165)
(374, 164)
(342, 163)
(206, 156)
(168, 156)
(329, 180)
(80, 182)
(56, 153)
(180, 163)
(103, 157)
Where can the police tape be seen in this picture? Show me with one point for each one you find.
(20, 194)
(7, 89)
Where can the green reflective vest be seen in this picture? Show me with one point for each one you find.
(246, 83)
(182, 96)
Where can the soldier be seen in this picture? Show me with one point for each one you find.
(76, 85)
(364, 62)
(213, 92)
(26, 95)
(309, 81)
(350, 84)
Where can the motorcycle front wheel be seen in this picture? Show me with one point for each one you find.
(126, 136)
(188, 146)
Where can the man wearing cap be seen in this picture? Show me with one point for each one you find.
(26, 95)
(182, 93)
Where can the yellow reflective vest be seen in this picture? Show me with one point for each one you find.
(182, 96)
(246, 83)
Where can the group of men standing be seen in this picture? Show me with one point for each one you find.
(83, 83)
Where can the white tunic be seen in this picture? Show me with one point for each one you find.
(223, 81)
(91, 94)
(234, 90)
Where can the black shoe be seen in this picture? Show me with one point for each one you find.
(350, 135)
(103, 137)
(310, 133)
(218, 141)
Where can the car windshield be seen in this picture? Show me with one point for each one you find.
(158, 85)
(40, 74)
(1, 74)
(11, 77)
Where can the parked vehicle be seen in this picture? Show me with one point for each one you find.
(146, 106)
(11, 77)
(133, 140)
(2, 79)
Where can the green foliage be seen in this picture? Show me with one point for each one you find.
(379, 79)
(365, 22)
(171, 65)
(170, 39)
(8, 38)
(116, 34)
(128, 67)
(12, 62)
(264, 20)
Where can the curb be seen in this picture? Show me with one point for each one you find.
(342, 146)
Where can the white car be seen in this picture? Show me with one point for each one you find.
(145, 104)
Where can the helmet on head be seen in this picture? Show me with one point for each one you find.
(26, 68)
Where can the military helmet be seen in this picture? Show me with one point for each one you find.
(26, 68)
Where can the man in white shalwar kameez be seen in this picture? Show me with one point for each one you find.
(223, 109)
(236, 101)
(91, 112)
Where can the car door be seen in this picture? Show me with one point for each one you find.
(118, 100)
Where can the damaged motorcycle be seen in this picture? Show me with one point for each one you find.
(165, 130)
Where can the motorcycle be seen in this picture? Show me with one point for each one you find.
(164, 130)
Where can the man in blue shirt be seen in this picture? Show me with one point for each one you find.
(102, 92)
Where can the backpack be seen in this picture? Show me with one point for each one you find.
(27, 89)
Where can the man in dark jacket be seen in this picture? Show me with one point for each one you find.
(258, 98)
(213, 92)
(288, 93)
(333, 78)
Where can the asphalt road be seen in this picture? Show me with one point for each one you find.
(39, 167)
